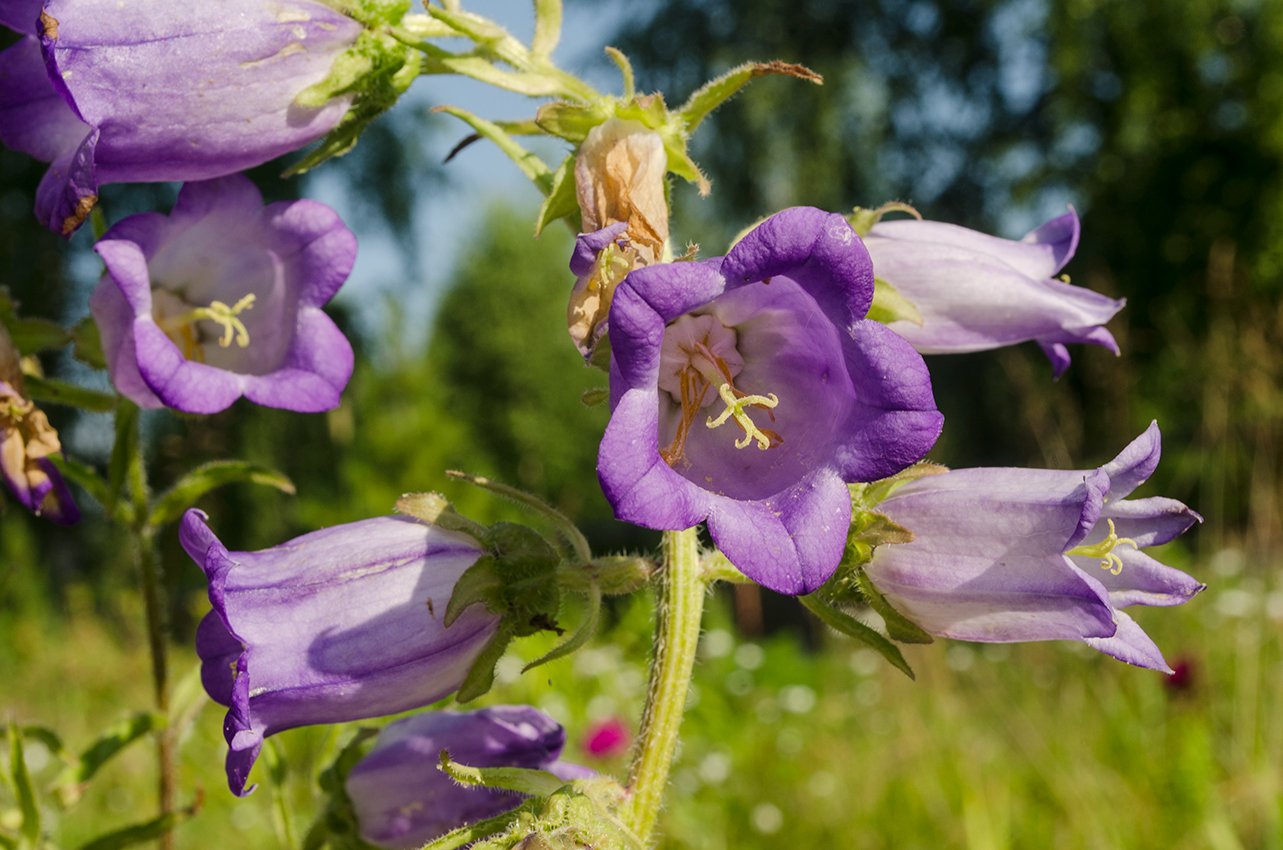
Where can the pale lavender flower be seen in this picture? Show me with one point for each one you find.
(769, 345)
(152, 90)
(222, 298)
(975, 292)
(403, 799)
(1005, 555)
(341, 624)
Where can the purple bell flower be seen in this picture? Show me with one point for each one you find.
(976, 292)
(768, 345)
(222, 298)
(341, 624)
(402, 798)
(1005, 555)
(161, 90)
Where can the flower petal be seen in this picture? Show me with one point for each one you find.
(1134, 464)
(1132, 645)
(1142, 580)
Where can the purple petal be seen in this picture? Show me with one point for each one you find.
(1142, 580)
(589, 245)
(34, 118)
(57, 504)
(816, 249)
(1096, 484)
(1058, 355)
(69, 189)
(20, 15)
(1150, 522)
(1134, 464)
(1132, 645)
(1060, 235)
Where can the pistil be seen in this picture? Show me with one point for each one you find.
(1105, 550)
(217, 312)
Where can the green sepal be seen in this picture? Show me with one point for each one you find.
(479, 583)
(482, 829)
(537, 783)
(435, 509)
(54, 391)
(171, 504)
(88, 347)
(899, 627)
(614, 574)
(373, 13)
(71, 783)
(601, 354)
(582, 635)
(527, 566)
(715, 92)
(377, 69)
(868, 530)
(625, 70)
(867, 496)
(562, 202)
(560, 521)
(862, 219)
(547, 28)
(572, 121)
(530, 164)
(848, 625)
(480, 678)
(23, 789)
(890, 306)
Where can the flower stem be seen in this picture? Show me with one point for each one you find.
(144, 538)
(681, 603)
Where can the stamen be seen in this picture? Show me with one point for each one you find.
(735, 408)
(1105, 550)
(220, 314)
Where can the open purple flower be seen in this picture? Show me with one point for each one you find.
(161, 90)
(222, 298)
(747, 390)
(341, 624)
(975, 292)
(402, 798)
(1004, 555)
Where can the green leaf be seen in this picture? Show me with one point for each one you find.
(85, 476)
(537, 783)
(848, 625)
(715, 92)
(899, 627)
(122, 452)
(88, 348)
(71, 782)
(26, 793)
(7, 843)
(547, 28)
(50, 739)
(178, 498)
(532, 166)
(139, 833)
(890, 306)
(35, 335)
(62, 392)
(562, 200)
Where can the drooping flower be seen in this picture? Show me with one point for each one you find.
(976, 292)
(222, 298)
(771, 342)
(161, 90)
(341, 624)
(26, 442)
(619, 182)
(401, 797)
(1005, 555)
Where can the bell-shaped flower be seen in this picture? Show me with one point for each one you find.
(746, 391)
(341, 624)
(974, 292)
(161, 90)
(222, 298)
(403, 799)
(26, 441)
(1003, 555)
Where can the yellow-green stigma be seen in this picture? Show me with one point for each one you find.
(1105, 550)
(217, 312)
(735, 408)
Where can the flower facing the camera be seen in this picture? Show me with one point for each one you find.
(162, 90)
(341, 624)
(222, 298)
(403, 799)
(26, 442)
(1003, 555)
(747, 391)
(974, 292)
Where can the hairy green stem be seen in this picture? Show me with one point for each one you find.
(144, 539)
(681, 603)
